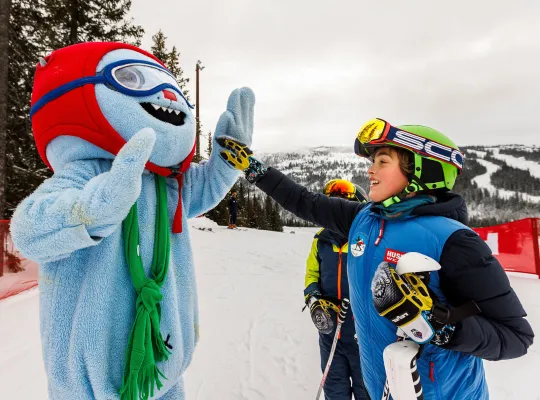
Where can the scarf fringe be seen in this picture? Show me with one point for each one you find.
(161, 352)
(140, 386)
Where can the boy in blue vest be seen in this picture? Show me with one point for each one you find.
(413, 169)
(325, 285)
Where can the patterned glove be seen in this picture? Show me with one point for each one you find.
(443, 332)
(240, 157)
(323, 312)
(406, 302)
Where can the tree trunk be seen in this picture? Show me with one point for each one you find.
(5, 7)
(73, 21)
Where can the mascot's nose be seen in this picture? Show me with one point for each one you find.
(169, 95)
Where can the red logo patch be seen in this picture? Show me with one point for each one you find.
(392, 256)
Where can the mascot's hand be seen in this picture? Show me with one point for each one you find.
(107, 198)
(237, 122)
(234, 132)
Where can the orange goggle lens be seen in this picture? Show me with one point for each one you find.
(340, 188)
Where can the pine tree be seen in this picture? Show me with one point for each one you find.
(267, 214)
(24, 168)
(170, 59)
(250, 213)
(48, 25)
(75, 21)
(276, 223)
(219, 214)
(159, 48)
(258, 214)
(173, 63)
(5, 8)
(241, 199)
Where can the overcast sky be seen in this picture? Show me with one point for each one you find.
(320, 69)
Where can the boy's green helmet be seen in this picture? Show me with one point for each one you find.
(437, 161)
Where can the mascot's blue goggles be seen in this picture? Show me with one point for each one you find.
(137, 78)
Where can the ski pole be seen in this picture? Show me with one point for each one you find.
(341, 319)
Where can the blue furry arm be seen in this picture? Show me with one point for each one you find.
(45, 226)
(205, 185)
(81, 203)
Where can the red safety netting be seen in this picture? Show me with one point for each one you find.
(515, 244)
(17, 273)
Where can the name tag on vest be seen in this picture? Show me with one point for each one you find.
(392, 256)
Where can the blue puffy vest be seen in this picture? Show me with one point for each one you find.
(445, 374)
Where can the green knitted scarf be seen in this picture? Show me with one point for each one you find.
(146, 346)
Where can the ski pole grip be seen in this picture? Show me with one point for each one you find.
(343, 310)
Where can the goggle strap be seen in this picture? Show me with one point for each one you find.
(63, 89)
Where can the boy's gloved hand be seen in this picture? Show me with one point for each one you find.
(406, 302)
(240, 157)
(323, 312)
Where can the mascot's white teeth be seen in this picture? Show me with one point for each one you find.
(168, 109)
(165, 114)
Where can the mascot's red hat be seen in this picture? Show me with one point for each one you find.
(76, 112)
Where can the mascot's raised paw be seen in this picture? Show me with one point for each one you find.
(108, 197)
(237, 122)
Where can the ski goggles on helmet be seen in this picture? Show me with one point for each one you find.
(340, 188)
(378, 133)
(138, 78)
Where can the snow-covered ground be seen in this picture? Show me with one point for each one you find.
(255, 343)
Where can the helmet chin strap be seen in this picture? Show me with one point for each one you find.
(415, 185)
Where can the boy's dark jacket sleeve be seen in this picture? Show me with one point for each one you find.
(470, 272)
(334, 214)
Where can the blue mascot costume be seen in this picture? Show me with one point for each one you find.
(118, 297)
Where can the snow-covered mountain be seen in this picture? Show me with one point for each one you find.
(500, 183)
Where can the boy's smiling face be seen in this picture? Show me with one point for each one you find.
(385, 176)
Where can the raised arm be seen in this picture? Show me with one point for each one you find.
(205, 185)
(82, 203)
(329, 212)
